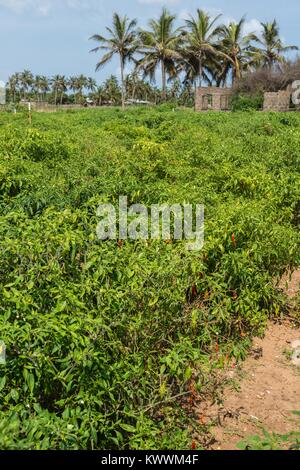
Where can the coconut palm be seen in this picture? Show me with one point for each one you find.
(121, 42)
(59, 85)
(271, 53)
(236, 46)
(135, 86)
(41, 86)
(187, 94)
(91, 84)
(44, 86)
(13, 84)
(63, 88)
(36, 86)
(160, 48)
(99, 95)
(112, 90)
(82, 83)
(201, 49)
(26, 80)
(175, 87)
(73, 85)
(55, 82)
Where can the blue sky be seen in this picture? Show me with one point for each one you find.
(51, 36)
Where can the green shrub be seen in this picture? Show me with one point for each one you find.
(247, 102)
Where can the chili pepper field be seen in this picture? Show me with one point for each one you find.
(108, 343)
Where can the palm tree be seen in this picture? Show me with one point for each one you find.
(55, 82)
(175, 89)
(122, 42)
(160, 48)
(236, 46)
(13, 83)
(41, 85)
(82, 83)
(36, 86)
(73, 85)
(187, 94)
(26, 81)
(59, 84)
(44, 86)
(271, 54)
(91, 84)
(201, 48)
(112, 90)
(63, 88)
(99, 95)
(134, 85)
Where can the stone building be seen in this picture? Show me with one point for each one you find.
(278, 101)
(212, 99)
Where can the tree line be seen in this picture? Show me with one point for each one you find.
(202, 51)
(60, 89)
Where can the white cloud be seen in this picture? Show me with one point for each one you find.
(184, 14)
(43, 7)
(15, 5)
(252, 26)
(213, 12)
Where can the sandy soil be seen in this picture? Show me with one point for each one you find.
(290, 283)
(264, 390)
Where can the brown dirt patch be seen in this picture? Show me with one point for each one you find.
(263, 391)
(290, 283)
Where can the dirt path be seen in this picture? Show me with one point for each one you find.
(264, 390)
(291, 284)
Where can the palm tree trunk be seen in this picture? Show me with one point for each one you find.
(122, 83)
(164, 81)
(236, 71)
(195, 91)
(233, 77)
(200, 70)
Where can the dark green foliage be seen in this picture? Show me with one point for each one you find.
(247, 102)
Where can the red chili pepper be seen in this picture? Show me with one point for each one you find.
(233, 239)
(194, 291)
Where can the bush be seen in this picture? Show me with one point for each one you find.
(247, 103)
(264, 79)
